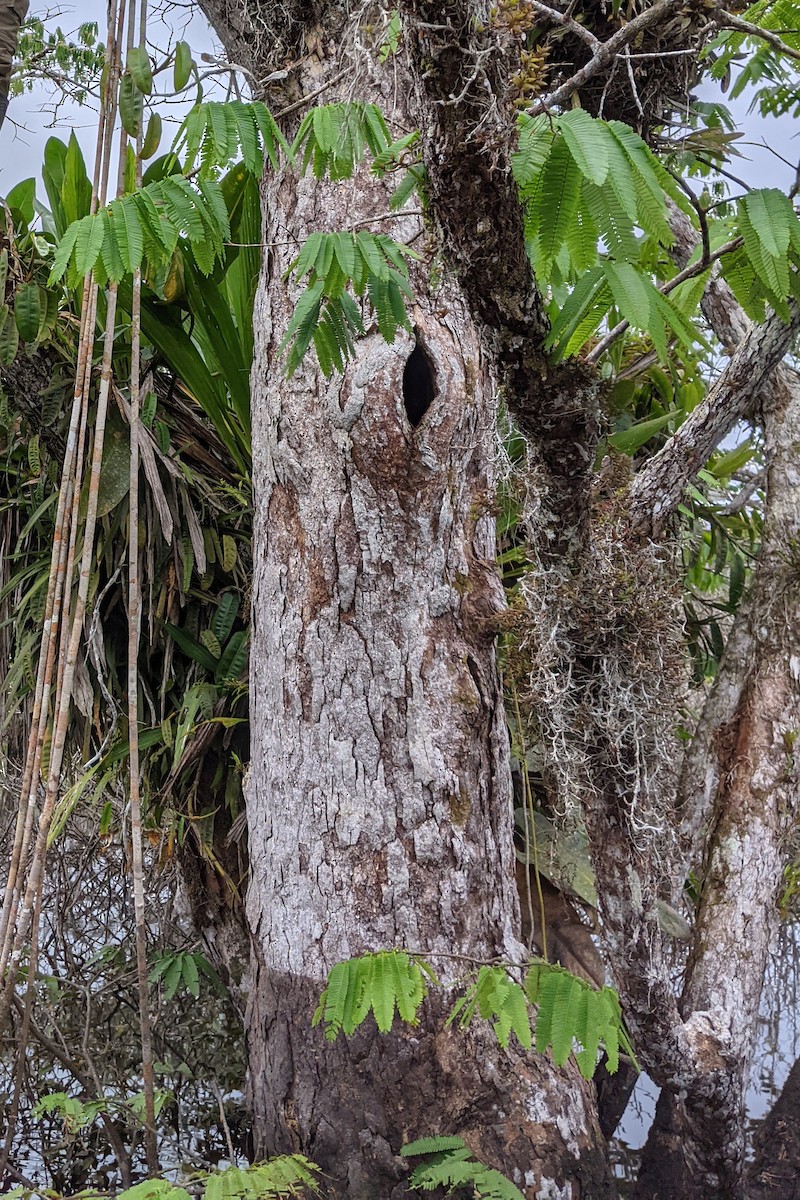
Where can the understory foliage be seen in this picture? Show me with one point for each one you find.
(568, 1010)
(597, 202)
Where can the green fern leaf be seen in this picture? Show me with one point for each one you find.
(89, 242)
(331, 1005)
(394, 252)
(156, 225)
(272, 139)
(548, 991)
(218, 129)
(63, 253)
(217, 210)
(631, 293)
(613, 222)
(431, 1145)
(621, 178)
(587, 139)
(409, 986)
(771, 270)
(383, 993)
(300, 332)
(580, 314)
(359, 994)
(412, 181)
(557, 202)
(515, 1018)
(680, 324)
(536, 136)
(647, 166)
(247, 136)
(738, 272)
(127, 226)
(563, 1023)
(308, 255)
(370, 250)
(376, 131)
(582, 241)
(345, 251)
(772, 216)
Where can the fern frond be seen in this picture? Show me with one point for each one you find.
(431, 1145)
(374, 982)
(217, 135)
(453, 1167)
(580, 314)
(772, 271)
(614, 224)
(536, 135)
(553, 210)
(333, 138)
(588, 142)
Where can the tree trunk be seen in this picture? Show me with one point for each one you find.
(379, 796)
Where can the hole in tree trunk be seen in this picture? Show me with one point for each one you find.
(418, 387)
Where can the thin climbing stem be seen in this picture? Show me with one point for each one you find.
(134, 623)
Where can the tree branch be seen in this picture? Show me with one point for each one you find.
(657, 489)
(726, 20)
(608, 51)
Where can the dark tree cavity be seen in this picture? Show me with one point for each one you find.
(418, 385)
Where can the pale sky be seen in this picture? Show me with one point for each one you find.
(22, 145)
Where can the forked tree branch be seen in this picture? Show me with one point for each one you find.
(606, 53)
(658, 489)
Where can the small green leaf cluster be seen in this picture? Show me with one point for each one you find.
(75, 1114)
(570, 1011)
(42, 52)
(760, 63)
(29, 307)
(375, 983)
(496, 997)
(327, 314)
(182, 969)
(451, 1165)
(221, 651)
(333, 138)
(214, 136)
(596, 221)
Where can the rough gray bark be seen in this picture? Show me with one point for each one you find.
(379, 796)
(755, 788)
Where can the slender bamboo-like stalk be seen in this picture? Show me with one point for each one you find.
(67, 672)
(134, 623)
(61, 566)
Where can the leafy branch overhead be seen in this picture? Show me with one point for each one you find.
(597, 225)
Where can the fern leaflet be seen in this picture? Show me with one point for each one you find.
(451, 1165)
(376, 983)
